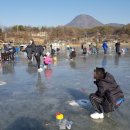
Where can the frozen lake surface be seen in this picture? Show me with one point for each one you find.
(29, 100)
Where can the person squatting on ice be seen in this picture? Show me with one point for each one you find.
(47, 60)
(108, 96)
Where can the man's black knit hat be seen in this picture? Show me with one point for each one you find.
(100, 70)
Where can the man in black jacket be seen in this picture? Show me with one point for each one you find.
(38, 52)
(108, 95)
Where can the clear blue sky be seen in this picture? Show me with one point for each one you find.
(60, 12)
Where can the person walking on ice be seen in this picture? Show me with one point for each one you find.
(105, 46)
(38, 52)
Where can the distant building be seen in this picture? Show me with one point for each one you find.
(39, 34)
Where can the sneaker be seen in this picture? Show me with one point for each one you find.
(40, 70)
(97, 115)
(45, 67)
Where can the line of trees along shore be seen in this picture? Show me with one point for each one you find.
(65, 33)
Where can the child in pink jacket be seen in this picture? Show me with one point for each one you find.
(47, 60)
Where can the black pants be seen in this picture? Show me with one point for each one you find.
(96, 102)
(38, 61)
(29, 56)
(11, 54)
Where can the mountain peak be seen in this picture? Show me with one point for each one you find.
(83, 15)
(84, 21)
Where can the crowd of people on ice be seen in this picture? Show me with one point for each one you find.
(94, 49)
(108, 96)
(8, 51)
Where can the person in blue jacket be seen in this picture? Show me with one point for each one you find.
(105, 47)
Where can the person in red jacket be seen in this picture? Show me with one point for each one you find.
(108, 96)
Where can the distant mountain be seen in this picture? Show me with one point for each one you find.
(115, 25)
(84, 21)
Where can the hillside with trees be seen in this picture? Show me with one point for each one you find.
(22, 34)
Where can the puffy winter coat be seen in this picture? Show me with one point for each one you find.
(110, 91)
(38, 50)
(105, 47)
(47, 60)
